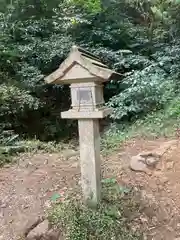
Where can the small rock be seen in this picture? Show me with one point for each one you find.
(149, 154)
(75, 165)
(178, 225)
(152, 161)
(160, 188)
(137, 164)
(149, 173)
(74, 158)
(25, 206)
(47, 204)
(147, 196)
(145, 237)
(1, 214)
(158, 167)
(39, 231)
(31, 224)
(164, 180)
(150, 158)
(69, 154)
(154, 220)
(157, 174)
(169, 165)
(4, 205)
(143, 219)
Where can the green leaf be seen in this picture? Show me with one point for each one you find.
(109, 180)
(157, 12)
(55, 197)
(112, 212)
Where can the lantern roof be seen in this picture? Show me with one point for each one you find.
(81, 66)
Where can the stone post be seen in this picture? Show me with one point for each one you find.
(89, 139)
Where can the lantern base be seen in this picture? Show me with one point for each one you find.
(72, 114)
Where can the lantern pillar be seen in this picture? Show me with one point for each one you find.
(89, 139)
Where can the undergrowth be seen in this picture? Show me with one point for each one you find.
(162, 123)
(5, 158)
(112, 219)
(11, 146)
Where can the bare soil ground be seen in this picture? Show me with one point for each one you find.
(26, 188)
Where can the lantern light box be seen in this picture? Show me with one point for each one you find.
(86, 74)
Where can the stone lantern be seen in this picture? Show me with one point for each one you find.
(85, 74)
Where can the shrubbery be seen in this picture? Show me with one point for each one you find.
(137, 38)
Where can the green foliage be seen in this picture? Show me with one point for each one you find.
(15, 100)
(150, 85)
(33, 44)
(113, 137)
(7, 150)
(161, 123)
(145, 92)
(139, 39)
(111, 220)
(173, 110)
(92, 6)
(5, 158)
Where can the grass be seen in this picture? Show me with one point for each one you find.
(5, 158)
(8, 153)
(112, 219)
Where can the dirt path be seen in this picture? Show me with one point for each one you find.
(160, 188)
(26, 188)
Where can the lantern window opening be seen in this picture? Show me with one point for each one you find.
(80, 97)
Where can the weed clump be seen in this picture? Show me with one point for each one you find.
(112, 219)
